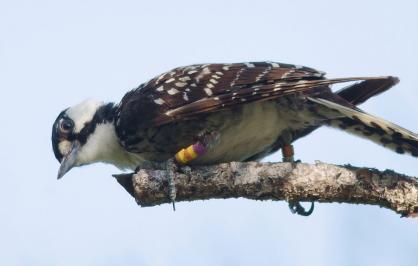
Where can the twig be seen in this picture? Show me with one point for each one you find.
(279, 181)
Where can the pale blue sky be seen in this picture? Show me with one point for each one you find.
(57, 53)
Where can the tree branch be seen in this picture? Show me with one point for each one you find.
(279, 181)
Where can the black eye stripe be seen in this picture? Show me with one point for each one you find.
(104, 114)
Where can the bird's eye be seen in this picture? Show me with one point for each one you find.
(67, 125)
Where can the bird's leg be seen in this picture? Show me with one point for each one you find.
(288, 153)
(288, 156)
(170, 166)
(205, 142)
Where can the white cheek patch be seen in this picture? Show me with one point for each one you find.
(64, 147)
(83, 113)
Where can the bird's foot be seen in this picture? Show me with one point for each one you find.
(297, 208)
(171, 168)
(205, 142)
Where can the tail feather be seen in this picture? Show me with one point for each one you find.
(373, 128)
(360, 92)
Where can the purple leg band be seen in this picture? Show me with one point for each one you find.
(199, 148)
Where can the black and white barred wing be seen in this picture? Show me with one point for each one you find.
(186, 92)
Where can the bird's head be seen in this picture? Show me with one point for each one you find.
(72, 130)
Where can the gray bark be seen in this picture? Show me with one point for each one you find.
(320, 182)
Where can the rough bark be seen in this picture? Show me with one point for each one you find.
(320, 182)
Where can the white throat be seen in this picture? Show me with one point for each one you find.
(103, 146)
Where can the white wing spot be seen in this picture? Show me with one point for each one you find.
(185, 96)
(184, 79)
(161, 88)
(274, 64)
(209, 85)
(172, 91)
(262, 74)
(237, 77)
(213, 81)
(169, 80)
(219, 73)
(160, 77)
(249, 64)
(180, 84)
(208, 91)
(206, 71)
(159, 101)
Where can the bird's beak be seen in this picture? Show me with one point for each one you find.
(69, 160)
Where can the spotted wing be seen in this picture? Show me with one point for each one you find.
(186, 92)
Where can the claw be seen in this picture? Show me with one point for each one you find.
(296, 208)
(185, 169)
(171, 168)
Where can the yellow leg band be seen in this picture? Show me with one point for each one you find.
(191, 153)
(186, 155)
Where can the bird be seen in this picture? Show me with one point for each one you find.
(206, 114)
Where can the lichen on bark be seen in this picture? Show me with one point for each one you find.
(318, 182)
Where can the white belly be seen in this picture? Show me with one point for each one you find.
(257, 129)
